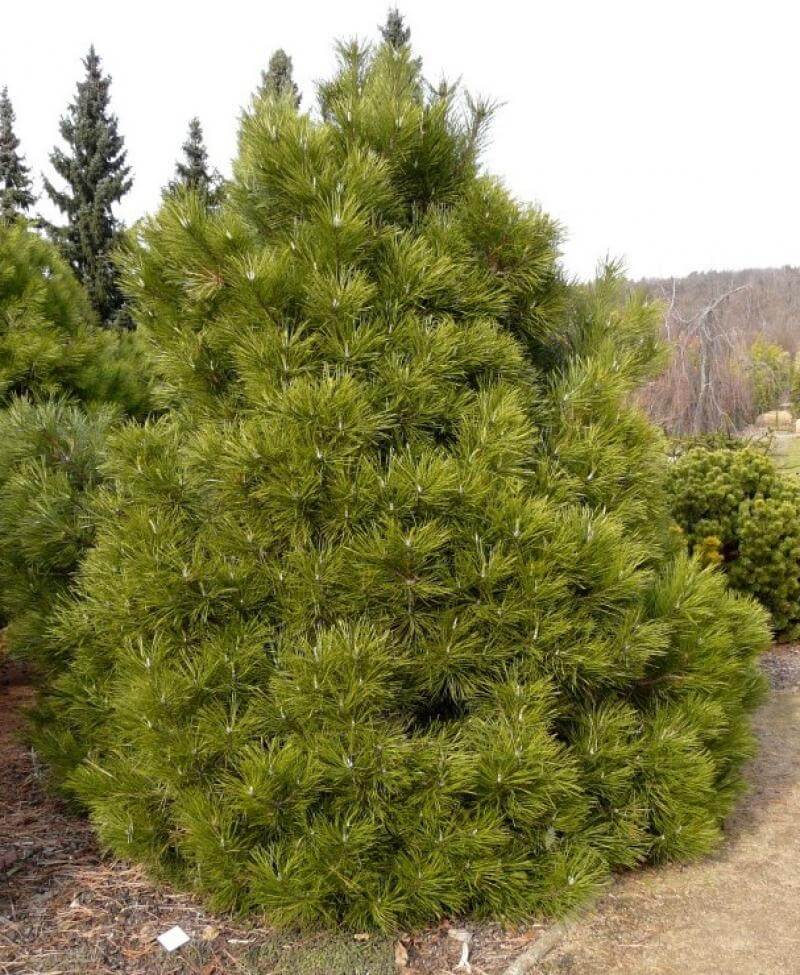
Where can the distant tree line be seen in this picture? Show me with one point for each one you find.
(735, 342)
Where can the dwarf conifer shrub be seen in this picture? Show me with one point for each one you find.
(737, 509)
(382, 620)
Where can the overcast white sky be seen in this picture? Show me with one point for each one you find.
(667, 133)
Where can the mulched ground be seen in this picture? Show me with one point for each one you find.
(65, 909)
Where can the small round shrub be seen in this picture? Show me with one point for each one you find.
(737, 510)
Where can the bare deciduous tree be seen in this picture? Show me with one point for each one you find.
(713, 319)
(706, 387)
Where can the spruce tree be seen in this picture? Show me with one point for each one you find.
(394, 31)
(192, 172)
(16, 189)
(96, 175)
(277, 80)
(384, 621)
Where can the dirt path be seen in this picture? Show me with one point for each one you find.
(737, 913)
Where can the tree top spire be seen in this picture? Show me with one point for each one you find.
(278, 81)
(16, 190)
(395, 31)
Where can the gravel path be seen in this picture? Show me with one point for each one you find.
(737, 913)
(782, 666)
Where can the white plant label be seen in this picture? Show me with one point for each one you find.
(174, 938)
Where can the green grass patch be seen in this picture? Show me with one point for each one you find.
(286, 954)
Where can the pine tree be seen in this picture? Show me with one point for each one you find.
(97, 176)
(394, 31)
(50, 342)
(277, 81)
(64, 383)
(16, 189)
(384, 620)
(192, 171)
(51, 454)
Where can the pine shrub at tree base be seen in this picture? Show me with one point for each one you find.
(383, 622)
(50, 342)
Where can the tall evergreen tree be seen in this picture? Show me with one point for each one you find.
(192, 172)
(277, 80)
(394, 31)
(95, 171)
(16, 191)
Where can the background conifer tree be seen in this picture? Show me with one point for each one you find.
(384, 621)
(394, 31)
(192, 172)
(96, 175)
(277, 80)
(16, 189)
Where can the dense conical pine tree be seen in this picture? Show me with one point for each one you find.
(383, 621)
(16, 189)
(96, 176)
(278, 80)
(192, 172)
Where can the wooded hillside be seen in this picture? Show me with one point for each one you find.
(713, 319)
